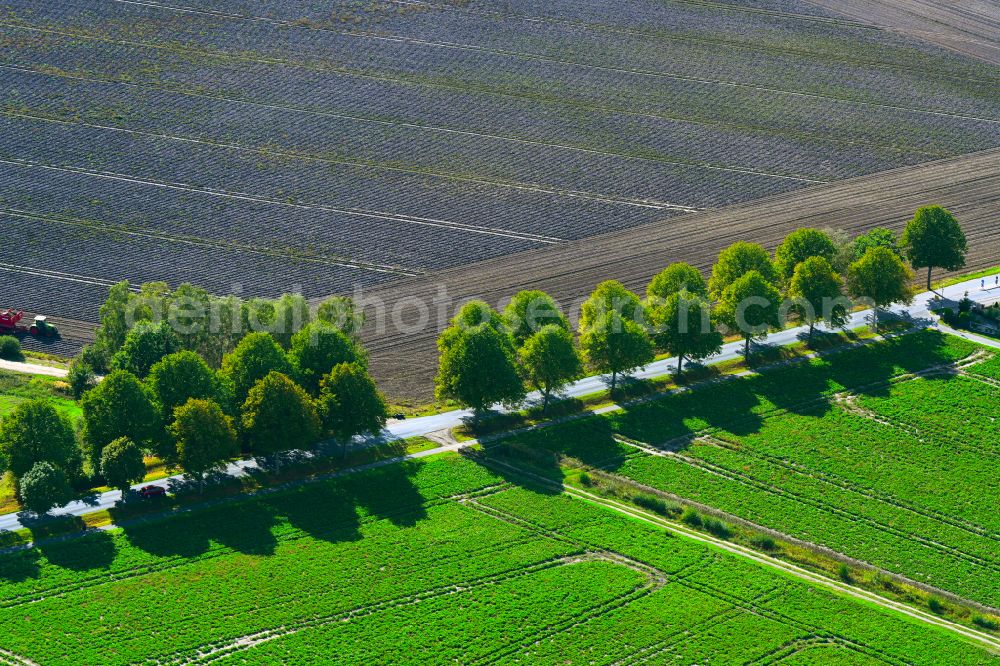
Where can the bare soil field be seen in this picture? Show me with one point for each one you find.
(970, 27)
(404, 364)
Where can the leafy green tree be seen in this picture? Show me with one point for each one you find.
(122, 464)
(254, 357)
(178, 377)
(674, 278)
(683, 328)
(120, 406)
(477, 312)
(817, 292)
(80, 377)
(549, 360)
(877, 237)
(611, 296)
(205, 437)
(35, 432)
(882, 278)
(340, 311)
(800, 245)
(530, 311)
(350, 404)
(282, 317)
(616, 345)
(477, 368)
(317, 348)
(750, 305)
(43, 487)
(146, 343)
(736, 261)
(278, 415)
(113, 327)
(934, 239)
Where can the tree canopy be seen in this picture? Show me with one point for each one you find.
(876, 237)
(477, 368)
(350, 404)
(317, 348)
(43, 487)
(530, 311)
(341, 312)
(204, 435)
(736, 261)
(817, 291)
(256, 355)
(800, 245)
(683, 328)
(122, 464)
(934, 239)
(278, 415)
(881, 277)
(750, 306)
(146, 343)
(616, 345)
(611, 296)
(120, 406)
(178, 377)
(35, 432)
(674, 278)
(549, 360)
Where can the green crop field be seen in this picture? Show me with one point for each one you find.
(440, 561)
(890, 468)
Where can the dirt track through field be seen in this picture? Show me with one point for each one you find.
(971, 27)
(405, 363)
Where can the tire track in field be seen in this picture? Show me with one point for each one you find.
(731, 44)
(196, 241)
(241, 196)
(218, 96)
(536, 98)
(12, 659)
(681, 577)
(209, 654)
(538, 57)
(824, 507)
(370, 164)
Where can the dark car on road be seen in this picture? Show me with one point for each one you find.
(153, 491)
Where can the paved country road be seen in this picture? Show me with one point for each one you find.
(918, 311)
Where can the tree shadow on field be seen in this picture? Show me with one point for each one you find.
(728, 403)
(94, 550)
(323, 511)
(867, 370)
(19, 564)
(390, 493)
(251, 532)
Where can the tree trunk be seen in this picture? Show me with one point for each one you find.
(614, 380)
(746, 352)
(928, 278)
(680, 364)
(201, 483)
(875, 319)
(545, 401)
(812, 327)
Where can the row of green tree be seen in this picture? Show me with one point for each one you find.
(488, 357)
(161, 399)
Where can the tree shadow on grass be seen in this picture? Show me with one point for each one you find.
(94, 550)
(390, 493)
(323, 511)
(19, 564)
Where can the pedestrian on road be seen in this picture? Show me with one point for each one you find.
(982, 284)
(996, 281)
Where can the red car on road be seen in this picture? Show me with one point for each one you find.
(152, 491)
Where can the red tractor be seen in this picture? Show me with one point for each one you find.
(40, 327)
